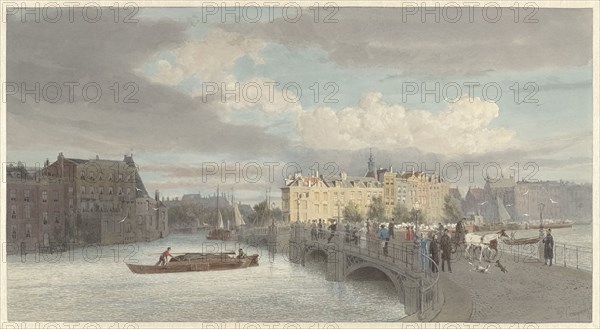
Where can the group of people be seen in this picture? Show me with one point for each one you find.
(437, 248)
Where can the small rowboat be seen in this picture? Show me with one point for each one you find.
(197, 262)
(521, 241)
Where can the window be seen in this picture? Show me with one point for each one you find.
(45, 217)
(120, 191)
(110, 177)
(110, 191)
(91, 190)
(28, 231)
(70, 190)
(128, 191)
(120, 177)
(27, 211)
(26, 195)
(83, 175)
(14, 232)
(99, 176)
(13, 212)
(101, 190)
(13, 195)
(71, 203)
(55, 196)
(82, 190)
(56, 217)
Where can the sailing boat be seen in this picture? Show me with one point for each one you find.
(237, 216)
(219, 232)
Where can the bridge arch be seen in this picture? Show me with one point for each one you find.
(391, 275)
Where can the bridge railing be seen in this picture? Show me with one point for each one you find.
(406, 255)
(567, 255)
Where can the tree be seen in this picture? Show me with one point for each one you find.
(352, 213)
(451, 212)
(420, 216)
(401, 214)
(263, 215)
(376, 210)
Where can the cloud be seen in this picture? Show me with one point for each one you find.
(210, 59)
(463, 128)
(430, 48)
(105, 53)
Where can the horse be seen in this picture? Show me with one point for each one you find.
(486, 245)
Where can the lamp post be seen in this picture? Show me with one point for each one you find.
(416, 208)
(541, 207)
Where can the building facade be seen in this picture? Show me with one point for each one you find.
(415, 190)
(83, 201)
(307, 198)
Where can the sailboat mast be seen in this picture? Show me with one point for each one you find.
(217, 205)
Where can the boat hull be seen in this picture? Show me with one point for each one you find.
(200, 265)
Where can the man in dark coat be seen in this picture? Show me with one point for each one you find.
(548, 248)
(446, 250)
(332, 228)
(434, 250)
(391, 229)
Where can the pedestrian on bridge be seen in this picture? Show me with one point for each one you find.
(434, 251)
(391, 228)
(384, 236)
(313, 230)
(423, 248)
(332, 228)
(320, 229)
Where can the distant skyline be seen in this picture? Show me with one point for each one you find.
(364, 66)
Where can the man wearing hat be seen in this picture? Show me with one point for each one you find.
(548, 248)
(241, 254)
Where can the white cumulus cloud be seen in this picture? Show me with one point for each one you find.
(462, 128)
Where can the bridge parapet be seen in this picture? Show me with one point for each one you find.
(408, 269)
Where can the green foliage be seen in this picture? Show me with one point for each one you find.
(352, 213)
(376, 210)
(421, 219)
(401, 214)
(451, 212)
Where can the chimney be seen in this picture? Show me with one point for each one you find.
(156, 195)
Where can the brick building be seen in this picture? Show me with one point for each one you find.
(82, 201)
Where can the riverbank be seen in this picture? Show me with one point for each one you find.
(528, 292)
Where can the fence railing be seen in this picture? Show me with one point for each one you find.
(566, 255)
(406, 256)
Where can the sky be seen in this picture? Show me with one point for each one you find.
(316, 90)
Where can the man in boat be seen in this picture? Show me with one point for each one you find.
(241, 254)
(163, 257)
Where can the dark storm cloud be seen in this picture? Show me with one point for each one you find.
(379, 37)
(105, 53)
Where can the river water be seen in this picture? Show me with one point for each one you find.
(94, 284)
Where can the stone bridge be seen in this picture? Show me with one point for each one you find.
(408, 270)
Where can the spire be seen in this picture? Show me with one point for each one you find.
(371, 165)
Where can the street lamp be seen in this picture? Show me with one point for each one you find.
(416, 207)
